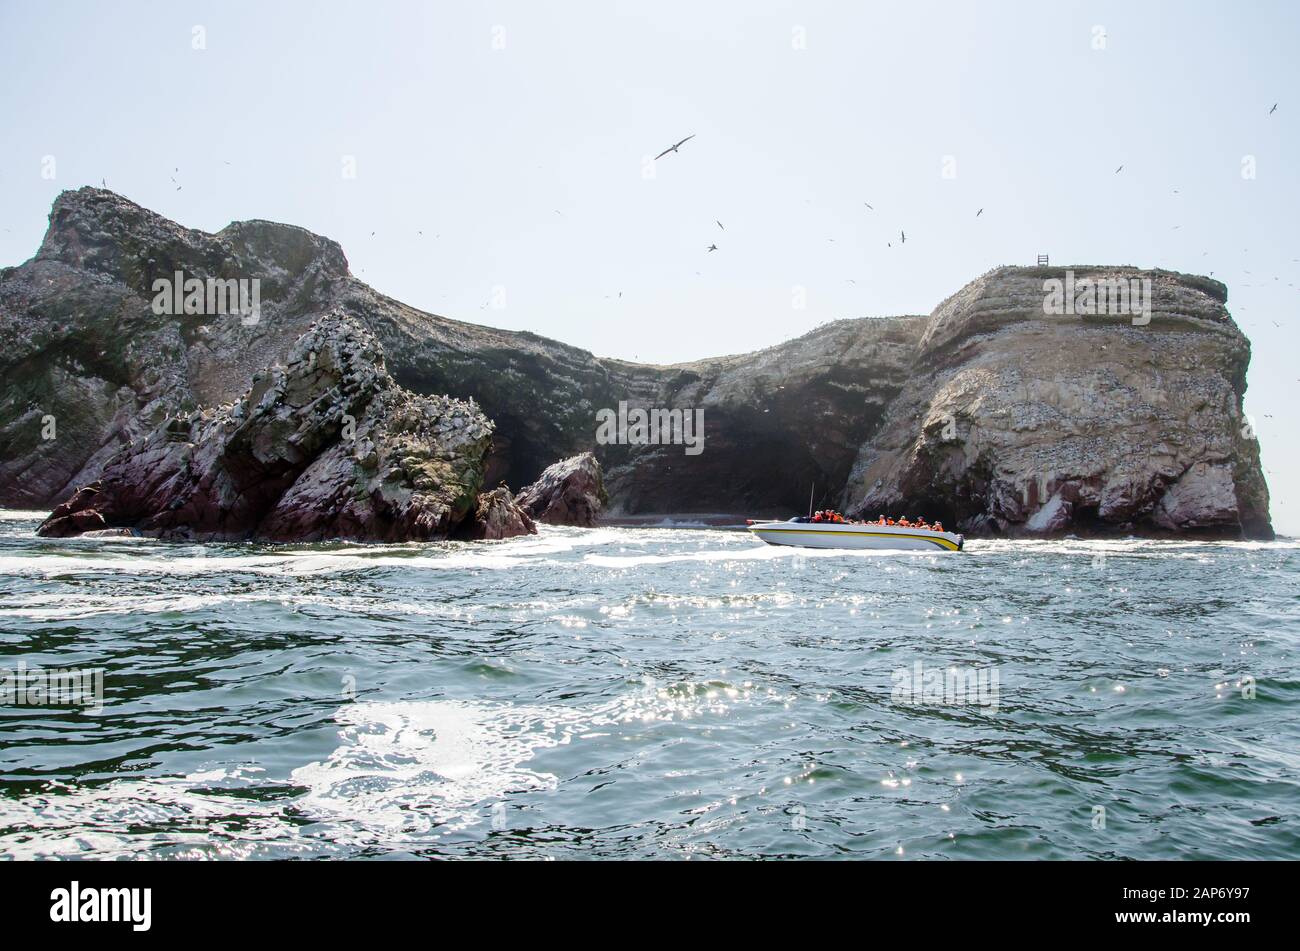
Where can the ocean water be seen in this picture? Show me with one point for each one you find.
(653, 693)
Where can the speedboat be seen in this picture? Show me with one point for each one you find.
(803, 533)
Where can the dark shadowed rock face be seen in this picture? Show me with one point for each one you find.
(570, 492)
(986, 414)
(327, 446)
(81, 345)
(497, 516)
(82, 351)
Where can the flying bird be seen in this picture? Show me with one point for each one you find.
(980, 212)
(719, 224)
(712, 247)
(869, 207)
(1273, 110)
(674, 148)
(1120, 169)
(903, 235)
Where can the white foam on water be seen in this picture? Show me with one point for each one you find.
(22, 515)
(60, 607)
(103, 821)
(402, 774)
(59, 564)
(82, 556)
(756, 553)
(403, 769)
(1129, 546)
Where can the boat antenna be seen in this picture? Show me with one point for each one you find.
(811, 489)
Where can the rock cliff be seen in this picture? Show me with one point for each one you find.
(989, 413)
(1015, 419)
(327, 446)
(571, 492)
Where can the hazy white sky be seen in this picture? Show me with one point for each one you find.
(514, 136)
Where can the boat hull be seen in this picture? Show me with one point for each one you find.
(855, 537)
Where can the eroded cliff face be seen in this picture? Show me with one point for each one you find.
(988, 413)
(83, 346)
(327, 446)
(88, 366)
(1018, 420)
(570, 492)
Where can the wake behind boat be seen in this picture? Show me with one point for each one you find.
(806, 533)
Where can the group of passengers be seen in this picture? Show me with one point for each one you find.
(829, 515)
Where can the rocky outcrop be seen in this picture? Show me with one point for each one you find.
(81, 348)
(570, 492)
(88, 365)
(988, 413)
(325, 447)
(1019, 420)
(498, 516)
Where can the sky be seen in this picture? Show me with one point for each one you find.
(490, 161)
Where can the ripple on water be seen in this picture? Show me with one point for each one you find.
(652, 692)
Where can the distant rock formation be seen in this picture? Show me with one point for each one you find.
(570, 492)
(989, 414)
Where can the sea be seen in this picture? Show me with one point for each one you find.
(667, 691)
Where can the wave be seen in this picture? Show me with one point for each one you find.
(79, 556)
(22, 515)
(403, 774)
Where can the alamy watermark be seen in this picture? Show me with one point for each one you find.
(653, 427)
(25, 686)
(76, 904)
(210, 297)
(946, 686)
(1108, 296)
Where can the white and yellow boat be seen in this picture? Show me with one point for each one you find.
(803, 533)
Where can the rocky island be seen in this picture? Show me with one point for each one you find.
(330, 411)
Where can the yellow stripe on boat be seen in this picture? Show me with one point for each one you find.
(941, 542)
